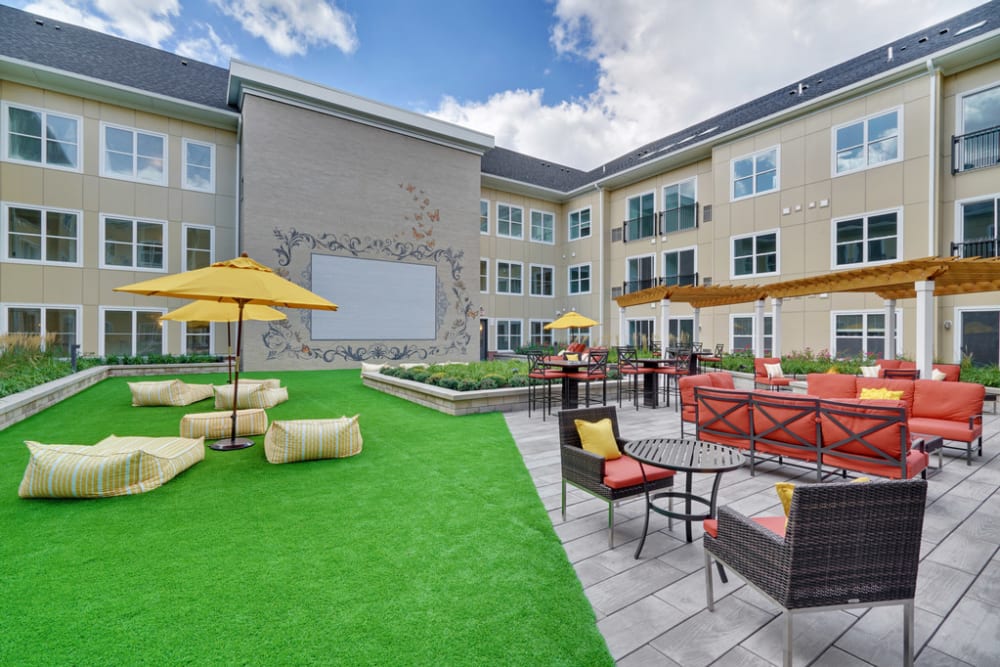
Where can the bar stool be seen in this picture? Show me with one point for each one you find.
(539, 375)
(678, 367)
(629, 370)
(597, 369)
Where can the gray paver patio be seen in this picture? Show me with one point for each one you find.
(652, 611)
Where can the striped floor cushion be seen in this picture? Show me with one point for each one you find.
(168, 392)
(220, 424)
(310, 439)
(250, 396)
(116, 466)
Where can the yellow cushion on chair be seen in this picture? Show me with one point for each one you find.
(880, 393)
(786, 489)
(598, 438)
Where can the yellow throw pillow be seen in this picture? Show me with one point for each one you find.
(570, 356)
(774, 370)
(598, 438)
(786, 489)
(832, 371)
(880, 393)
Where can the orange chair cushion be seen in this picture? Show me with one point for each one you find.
(775, 524)
(830, 385)
(888, 438)
(624, 472)
(954, 401)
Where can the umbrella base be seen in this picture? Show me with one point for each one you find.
(227, 444)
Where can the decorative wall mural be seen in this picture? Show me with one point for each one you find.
(415, 242)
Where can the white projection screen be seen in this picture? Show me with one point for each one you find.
(379, 300)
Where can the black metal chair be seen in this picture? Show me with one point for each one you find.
(845, 545)
(597, 370)
(587, 471)
(677, 367)
(539, 376)
(629, 372)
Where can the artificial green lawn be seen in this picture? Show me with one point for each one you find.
(430, 547)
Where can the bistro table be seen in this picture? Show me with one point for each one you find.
(688, 456)
(570, 386)
(651, 381)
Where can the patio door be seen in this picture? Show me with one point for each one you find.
(979, 228)
(680, 331)
(484, 338)
(640, 333)
(980, 336)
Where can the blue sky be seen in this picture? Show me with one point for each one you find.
(573, 81)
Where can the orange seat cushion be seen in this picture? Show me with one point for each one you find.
(775, 524)
(624, 472)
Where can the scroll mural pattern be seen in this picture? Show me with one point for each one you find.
(416, 243)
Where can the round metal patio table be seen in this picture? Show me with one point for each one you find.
(688, 456)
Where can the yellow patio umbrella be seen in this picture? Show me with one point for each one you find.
(572, 320)
(241, 281)
(225, 311)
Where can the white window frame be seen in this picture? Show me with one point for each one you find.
(753, 156)
(777, 252)
(651, 322)
(547, 337)
(484, 261)
(211, 338)
(185, 183)
(484, 216)
(678, 184)
(753, 320)
(185, 226)
(508, 322)
(510, 263)
(76, 308)
(590, 278)
(5, 139)
(135, 178)
(693, 249)
(960, 104)
(531, 283)
(959, 220)
(510, 208)
(135, 221)
(579, 215)
(959, 334)
(651, 256)
(102, 312)
(866, 142)
(864, 241)
(552, 229)
(639, 196)
(835, 353)
(5, 235)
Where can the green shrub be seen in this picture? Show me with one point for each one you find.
(518, 380)
(450, 382)
(419, 374)
(435, 377)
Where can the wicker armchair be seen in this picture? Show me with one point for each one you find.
(587, 471)
(845, 545)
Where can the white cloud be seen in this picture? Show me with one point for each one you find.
(146, 21)
(291, 27)
(210, 48)
(663, 66)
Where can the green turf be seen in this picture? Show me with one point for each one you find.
(430, 547)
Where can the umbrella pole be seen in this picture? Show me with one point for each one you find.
(232, 442)
(229, 349)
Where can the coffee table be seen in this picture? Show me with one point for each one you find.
(688, 456)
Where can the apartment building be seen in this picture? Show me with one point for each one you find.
(120, 162)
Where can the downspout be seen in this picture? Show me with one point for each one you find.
(600, 251)
(238, 209)
(935, 159)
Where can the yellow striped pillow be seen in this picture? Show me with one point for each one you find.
(309, 439)
(250, 396)
(166, 392)
(220, 424)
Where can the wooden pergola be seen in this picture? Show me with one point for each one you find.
(922, 279)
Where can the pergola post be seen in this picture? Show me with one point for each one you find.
(890, 329)
(696, 326)
(776, 326)
(758, 328)
(622, 327)
(925, 326)
(664, 329)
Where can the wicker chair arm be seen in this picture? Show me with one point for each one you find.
(583, 462)
(759, 555)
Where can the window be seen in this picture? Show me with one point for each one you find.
(679, 207)
(741, 327)
(639, 273)
(199, 246)
(755, 255)
(41, 235)
(509, 278)
(578, 335)
(56, 325)
(579, 224)
(538, 335)
(543, 227)
(510, 221)
(755, 174)
(484, 275)
(133, 155)
(869, 238)
(199, 166)
(579, 279)
(131, 332)
(484, 216)
(678, 267)
(860, 333)
(641, 333)
(867, 143)
(641, 222)
(541, 280)
(197, 338)
(680, 331)
(132, 244)
(980, 336)
(979, 222)
(508, 335)
(41, 137)
(979, 127)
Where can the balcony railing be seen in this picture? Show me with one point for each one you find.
(640, 228)
(975, 248)
(630, 286)
(975, 150)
